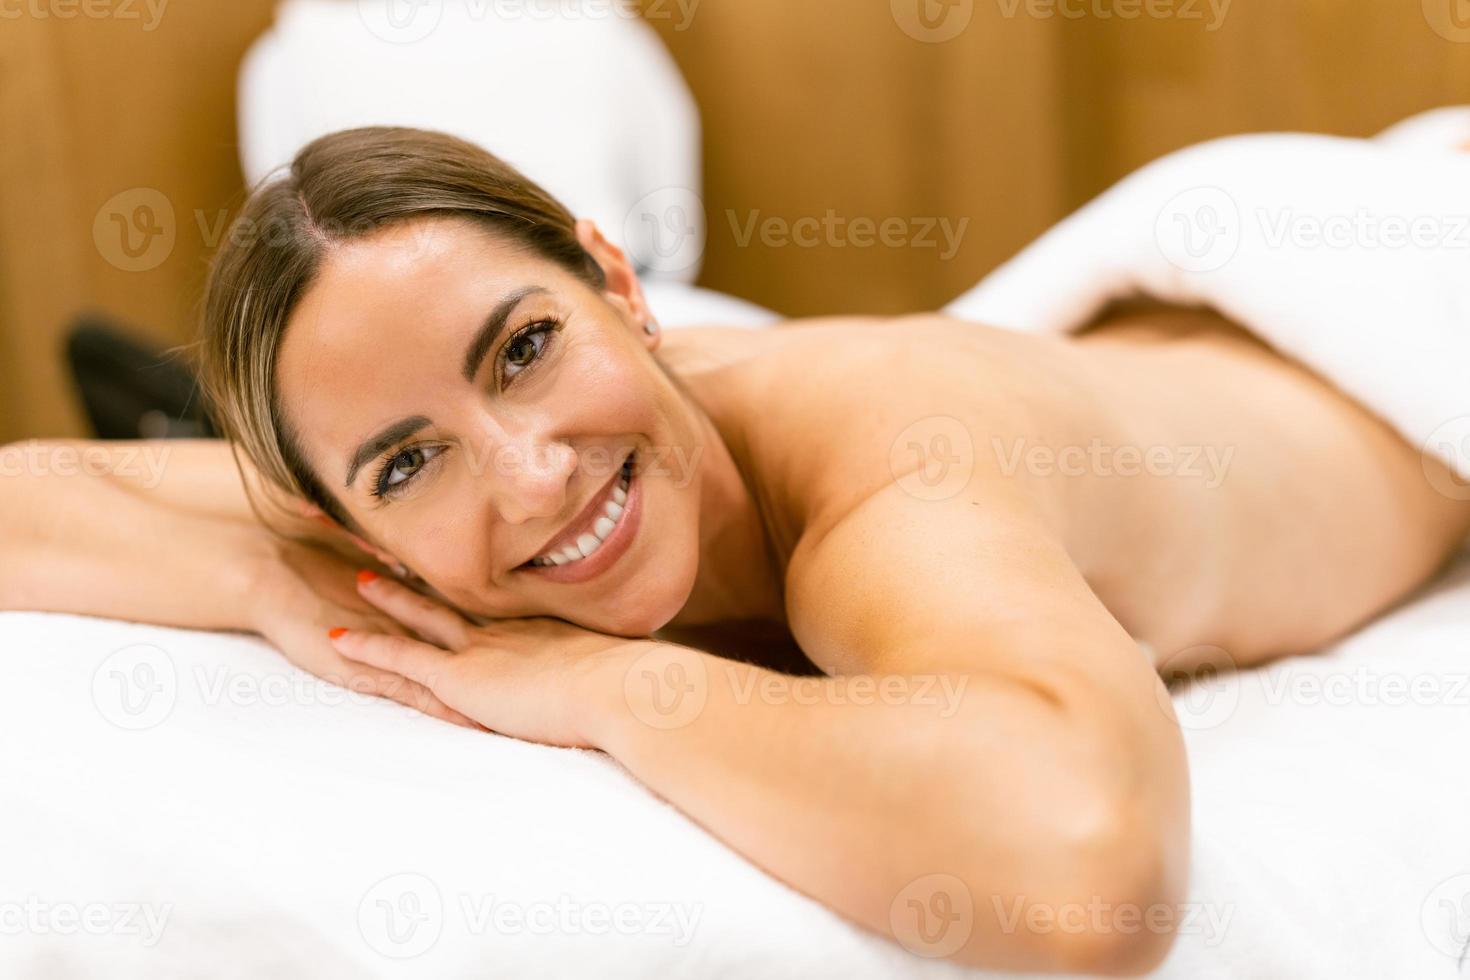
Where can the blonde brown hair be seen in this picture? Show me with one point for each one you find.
(342, 187)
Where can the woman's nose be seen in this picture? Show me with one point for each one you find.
(531, 478)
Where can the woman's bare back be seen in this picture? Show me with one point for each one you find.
(1214, 495)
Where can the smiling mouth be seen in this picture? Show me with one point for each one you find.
(586, 535)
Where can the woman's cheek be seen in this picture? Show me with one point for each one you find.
(607, 392)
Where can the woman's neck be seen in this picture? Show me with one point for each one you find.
(740, 577)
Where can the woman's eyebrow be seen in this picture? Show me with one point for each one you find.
(494, 323)
(382, 441)
(484, 339)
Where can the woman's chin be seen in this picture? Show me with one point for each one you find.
(649, 606)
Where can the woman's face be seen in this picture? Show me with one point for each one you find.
(477, 411)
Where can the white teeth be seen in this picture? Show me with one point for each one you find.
(601, 528)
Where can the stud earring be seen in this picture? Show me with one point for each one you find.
(650, 328)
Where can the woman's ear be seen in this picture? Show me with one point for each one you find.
(621, 287)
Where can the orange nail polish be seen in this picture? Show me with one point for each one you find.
(365, 576)
(338, 631)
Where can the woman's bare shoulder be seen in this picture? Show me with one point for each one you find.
(825, 413)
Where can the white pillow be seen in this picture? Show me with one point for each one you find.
(582, 98)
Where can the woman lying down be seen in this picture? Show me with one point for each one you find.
(478, 478)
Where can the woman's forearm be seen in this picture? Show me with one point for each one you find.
(947, 811)
(142, 531)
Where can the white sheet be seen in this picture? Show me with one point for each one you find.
(263, 817)
(1350, 255)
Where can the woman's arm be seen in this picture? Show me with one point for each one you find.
(149, 531)
(162, 532)
(994, 774)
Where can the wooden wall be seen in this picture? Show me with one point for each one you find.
(864, 108)
(102, 116)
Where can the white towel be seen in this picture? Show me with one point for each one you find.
(1353, 256)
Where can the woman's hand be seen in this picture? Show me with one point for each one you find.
(306, 590)
(528, 678)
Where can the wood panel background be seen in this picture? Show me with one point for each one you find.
(866, 108)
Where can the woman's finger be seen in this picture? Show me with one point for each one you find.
(396, 687)
(431, 620)
(420, 662)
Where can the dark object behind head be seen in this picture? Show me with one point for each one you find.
(130, 388)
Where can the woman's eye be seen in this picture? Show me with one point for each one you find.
(405, 466)
(524, 348)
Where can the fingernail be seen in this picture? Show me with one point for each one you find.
(366, 576)
(336, 632)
